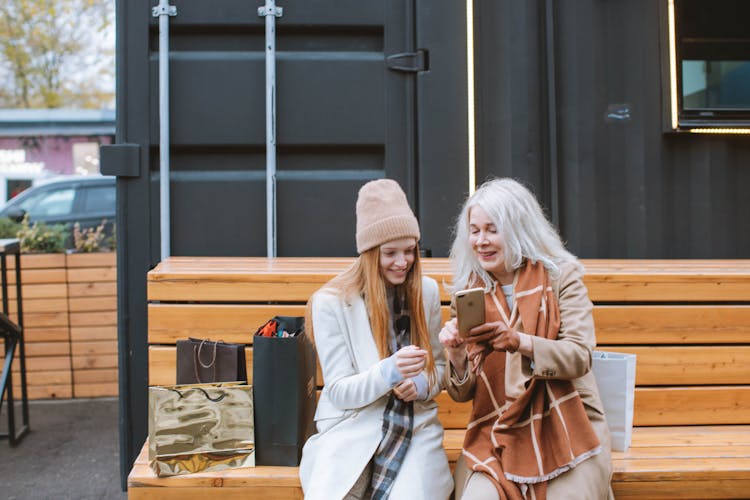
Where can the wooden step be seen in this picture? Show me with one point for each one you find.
(663, 462)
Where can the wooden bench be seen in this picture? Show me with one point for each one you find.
(688, 322)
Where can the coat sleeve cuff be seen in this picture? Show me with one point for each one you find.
(421, 382)
(390, 372)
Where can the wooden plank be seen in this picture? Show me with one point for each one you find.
(94, 376)
(660, 406)
(667, 366)
(97, 361)
(707, 435)
(88, 304)
(294, 279)
(689, 365)
(84, 333)
(42, 291)
(52, 334)
(231, 323)
(45, 363)
(685, 452)
(38, 261)
(45, 320)
(94, 348)
(39, 305)
(92, 289)
(697, 438)
(681, 489)
(677, 469)
(44, 391)
(92, 274)
(97, 390)
(270, 492)
(39, 349)
(96, 259)
(264, 480)
(31, 277)
(47, 391)
(54, 377)
(93, 318)
(672, 324)
(292, 289)
(692, 405)
(50, 377)
(673, 287)
(687, 473)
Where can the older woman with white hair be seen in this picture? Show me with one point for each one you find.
(537, 427)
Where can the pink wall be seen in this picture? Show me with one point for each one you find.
(55, 152)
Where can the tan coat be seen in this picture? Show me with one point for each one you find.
(349, 416)
(567, 358)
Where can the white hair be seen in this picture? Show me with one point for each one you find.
(522, 226)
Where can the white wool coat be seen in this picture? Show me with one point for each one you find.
(349, 416)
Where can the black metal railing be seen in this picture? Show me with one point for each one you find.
(12, 334)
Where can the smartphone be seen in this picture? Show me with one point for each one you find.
(469, 309)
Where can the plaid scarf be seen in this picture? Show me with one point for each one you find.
(521, 443)
(398, 419)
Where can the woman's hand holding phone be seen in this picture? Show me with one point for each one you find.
(497, 334)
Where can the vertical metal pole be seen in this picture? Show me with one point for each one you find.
(163, 11)
(9, 353)
(270, 12)
(554, 180)
(22, 344)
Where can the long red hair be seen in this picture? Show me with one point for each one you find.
(364, 278)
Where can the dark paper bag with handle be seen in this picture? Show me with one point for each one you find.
(203, 361)
(284, 368)
(197, 428)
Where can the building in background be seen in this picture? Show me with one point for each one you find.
(36, 144)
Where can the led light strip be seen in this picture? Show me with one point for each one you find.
(672, 65)
(720, 130)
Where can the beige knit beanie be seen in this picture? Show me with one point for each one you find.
(383, 215)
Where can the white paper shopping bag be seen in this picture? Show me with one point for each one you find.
(615, 376)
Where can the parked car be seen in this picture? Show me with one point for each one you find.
(86, 200)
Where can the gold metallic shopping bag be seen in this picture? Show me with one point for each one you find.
(202, 427)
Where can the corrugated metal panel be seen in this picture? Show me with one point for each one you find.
(343, 117)
(627, 189)
(510, 76)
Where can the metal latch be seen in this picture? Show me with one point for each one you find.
(164, 10)
(410, 62)
(267, 10)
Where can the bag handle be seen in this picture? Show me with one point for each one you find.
(203, 391)
(197, 360)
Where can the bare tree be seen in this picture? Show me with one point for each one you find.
(56, 53)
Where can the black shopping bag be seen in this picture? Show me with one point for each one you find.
(203, 361)
(284, 394)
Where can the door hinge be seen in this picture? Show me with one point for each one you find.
(122, 160)
(410, 62)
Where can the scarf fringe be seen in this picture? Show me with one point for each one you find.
(560, 470)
